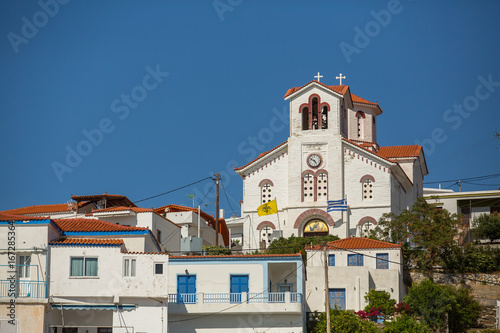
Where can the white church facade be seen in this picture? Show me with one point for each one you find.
(331, 154)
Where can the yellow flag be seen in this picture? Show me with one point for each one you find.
(268, 208)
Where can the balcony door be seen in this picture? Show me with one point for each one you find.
(24, 275)
(239, 284)
(186, 289)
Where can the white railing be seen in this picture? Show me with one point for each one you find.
(275, 297)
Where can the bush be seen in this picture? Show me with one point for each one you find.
(344, 322)
(405, 324)
(381, 301)
(213, 250)
(471, 259)
(434, 303)
(487, 226)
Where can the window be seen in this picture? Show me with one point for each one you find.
(266, 236)
(186, 289)
(322, 186)
(337, 298)
(367, 189)
(158, 268)
(308, 183)
(83, 266)
(23, 269)
(354, 260)
(382, 261)
(360, 117)
(331, 260)
(158, 235)
(305, 118)
(129, 267)
(239, 284)
(324, 117)
(105, 330)
(265, 191)
(314, 113)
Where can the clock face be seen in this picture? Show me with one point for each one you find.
(314, 160)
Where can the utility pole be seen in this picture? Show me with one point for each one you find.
(498, 136)
(327, 296)
(459, 185)
(217, 209)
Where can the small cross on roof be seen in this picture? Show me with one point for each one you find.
(317, 77)
(340, 77)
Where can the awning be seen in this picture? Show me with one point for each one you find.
(114, 307)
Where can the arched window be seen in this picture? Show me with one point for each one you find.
(266, 235)
(324, 117)
(367, 188)
(314, 113)
(305, 118)
(360, 117)
(322, 186)
(266, 192)
(308, 186)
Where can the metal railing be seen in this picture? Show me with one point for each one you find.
(23, 289)
(274, 297)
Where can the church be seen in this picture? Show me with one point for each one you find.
(331, 155)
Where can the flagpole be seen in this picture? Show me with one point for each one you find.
(278, 214)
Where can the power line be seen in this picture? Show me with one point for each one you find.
(177, 189)
(222, 183)
(462, 179)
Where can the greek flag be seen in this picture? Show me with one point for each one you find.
(337, 205)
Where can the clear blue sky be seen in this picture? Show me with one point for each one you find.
(229, 63)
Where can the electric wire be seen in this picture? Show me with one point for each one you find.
(223, 189)
(462, 179)
(176, 189)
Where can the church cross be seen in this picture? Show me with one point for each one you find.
(266, 229)
(267, 186)
(340, 77)
(319, 76)
(322, 176)
(308, 176)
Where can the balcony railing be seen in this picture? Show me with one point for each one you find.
(280, 297)
(23, 289)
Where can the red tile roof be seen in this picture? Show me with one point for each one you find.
(260, 156)
(121, 209)
(339, 89)
(13, 217)
(355, 243)
(178, 208)
(87, 242)
(239, 256)
(111, 200)
(43, 209)
(92, 225)
(400, 151)
(164, 253)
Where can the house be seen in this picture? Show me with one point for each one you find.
(65, 270)
(331, 154)
(237, 293)
(468, 205)
(355, 266)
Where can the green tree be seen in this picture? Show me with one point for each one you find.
(434, 304)
(213, 250)
(471, 259)
(405, 324)
(380, 300)
(343, 322)
(487, 226)
(432, 230)
(294, 244)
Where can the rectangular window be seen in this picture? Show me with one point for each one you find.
(158, 268)
(239, 284)
(382, 261)
(354, 260)
(158, 236)
(24, 263)
(105, 330)
(82, 266)
(129, 267)
(337, 298)
(331, 260)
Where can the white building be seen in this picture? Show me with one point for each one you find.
(238, 293)
(355, 266)
(82, 276)
(331, 154)
(467, 204)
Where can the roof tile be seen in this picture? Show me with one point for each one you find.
(42, 209)
(400, 151)
(87, 242)
(14, 217)
(92, 225)
(355, 243)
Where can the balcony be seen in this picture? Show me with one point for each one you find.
(23, 289)
(275, 302)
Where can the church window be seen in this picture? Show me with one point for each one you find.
(266, 192)
(360, 117)
(322, 185)
(367, 189)
(324, 117)
(305, 118)
(308, 186)
(266, 235)
(315, 113)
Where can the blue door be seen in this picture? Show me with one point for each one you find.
(186, 289)
(337, 298)
(239, 284)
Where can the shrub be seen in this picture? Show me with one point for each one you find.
(381, 301)
(487, 226)
(213, 250)
(344, 322)
(471, 259)
(405, 324)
